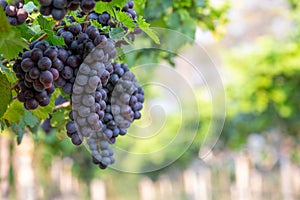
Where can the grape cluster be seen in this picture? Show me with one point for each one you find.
(124, 101)
(106, 20)
(124, 98)
(105, 96)
(36, 72)
(16, 15)
(59, 8)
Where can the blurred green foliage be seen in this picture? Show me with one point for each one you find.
(263, 90)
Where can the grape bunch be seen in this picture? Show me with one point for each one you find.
(124, 101)
(15, 13)
(104, 95)
(36, 72)
(105, 19)
(59, 8)
(124, 98)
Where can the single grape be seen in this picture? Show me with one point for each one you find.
(45, 10)
(58, 64)
(11, 11)
(76, 139)
(21, 16)
(31, 104)
(44, 63)
(43, 45)
(46, 77)
(27, 64)
(63, 54)
(58, 14)
(40, 96)
(67, 88)
(36, 54)
(55, 73)
(68, 37)
(71, 127)
(60, 82)
(67, 72)
(44, 102)
(60, 3)
(51, 53)
(50, 89)
(87, 5)
(45, 2)
(46, 126)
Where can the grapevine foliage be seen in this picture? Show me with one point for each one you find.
(62, 69)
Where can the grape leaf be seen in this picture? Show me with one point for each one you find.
(59, 118)
(14, 112)
(119, 3)
(19, 129)
(46, 26)
(125, 19)
(117, 33)
(101, 7)
(142, 24)
(10, 75)
(9, 38)
(25, 31)
(5, 94)
(5, 27)
(30, 119)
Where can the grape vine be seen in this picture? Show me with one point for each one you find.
(75, 56)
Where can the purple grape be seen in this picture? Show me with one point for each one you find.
(44, 63)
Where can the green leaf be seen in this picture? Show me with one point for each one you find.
(25, 31)
(9, 73)
(59, 118)
(117, 33)
(19, 129)
(14, 112)
(102, 7)
(9, 38)
(96, 24)
(5, 94)
(30, 119)
(42, 112)
(5, 27)
(142, 24)
(125, 19)
(118, 3)
(46, 26)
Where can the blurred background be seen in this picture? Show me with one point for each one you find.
(255, 47)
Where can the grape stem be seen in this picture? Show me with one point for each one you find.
(15, 86)
(45, 34)
(42, 37)
(63, 105)
(86, 22)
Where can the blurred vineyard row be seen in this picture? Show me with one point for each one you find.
(263, 170)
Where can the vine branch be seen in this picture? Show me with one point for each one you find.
(63, 105)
